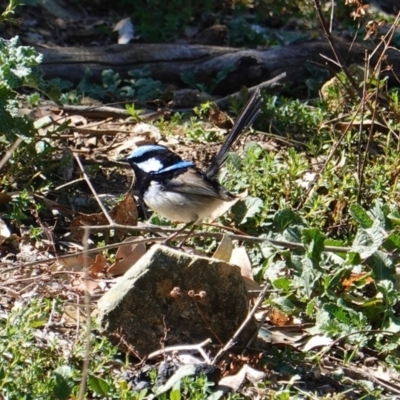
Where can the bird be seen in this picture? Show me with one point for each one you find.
(175, 188)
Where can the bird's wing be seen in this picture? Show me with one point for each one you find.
(191, 182)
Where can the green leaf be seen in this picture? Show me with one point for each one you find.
(361, 216)
(282, 283)
(353, 258)
(61, 389)
(313, 241)
(394, 216)
(368, 241)
(175, 394)
(99, 385)
(249, 207)
(185, 370)
(392, 242)
(293, 234)
(392, 324)
(284, 218)
(382, 266)
(284, 304)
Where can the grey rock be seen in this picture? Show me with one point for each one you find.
(169, 297)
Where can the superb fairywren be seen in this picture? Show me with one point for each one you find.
(175, 188)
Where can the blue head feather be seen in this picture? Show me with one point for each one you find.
(147, 149)
(179, 165)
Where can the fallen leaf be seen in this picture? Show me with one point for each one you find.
(4, 198)
(125, 211)
(86, 220)
(348, 283)
(99, 264)
(234, 382)
(4, 231)
(240, 258)
(317, 341)
(126, 257)
(278, 318)
(75, 263)
(224, 250)
(73, 314)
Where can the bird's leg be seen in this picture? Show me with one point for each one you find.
(174, 235)
(187, 236)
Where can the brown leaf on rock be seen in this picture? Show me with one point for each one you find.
(126, 257)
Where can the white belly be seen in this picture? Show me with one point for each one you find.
(178, 206)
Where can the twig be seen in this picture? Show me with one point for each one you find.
(50, 320)
(9, 152)
(87, 358)
(332, 152)
(243, 238)
(270, 84)
(105, 212)
(235, 337)
(197, 347)
(360, 160)
(69, 184)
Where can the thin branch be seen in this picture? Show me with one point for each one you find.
(9, 152)
(151, 228)
(249, 317)
(87, 358)
(186, 347)
(105, 212)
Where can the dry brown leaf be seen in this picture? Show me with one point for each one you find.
(125, 211)
(84, 220)
(348, 283)
(126, 257)
(99, 264)
(224, 250)
(4, 198)
(251, 284)
(278, 318)
(84, 285)
(220, 118)
(75, 263)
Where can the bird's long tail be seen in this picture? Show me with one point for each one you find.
(245, 119)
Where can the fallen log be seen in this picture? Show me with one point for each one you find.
(167, 62)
